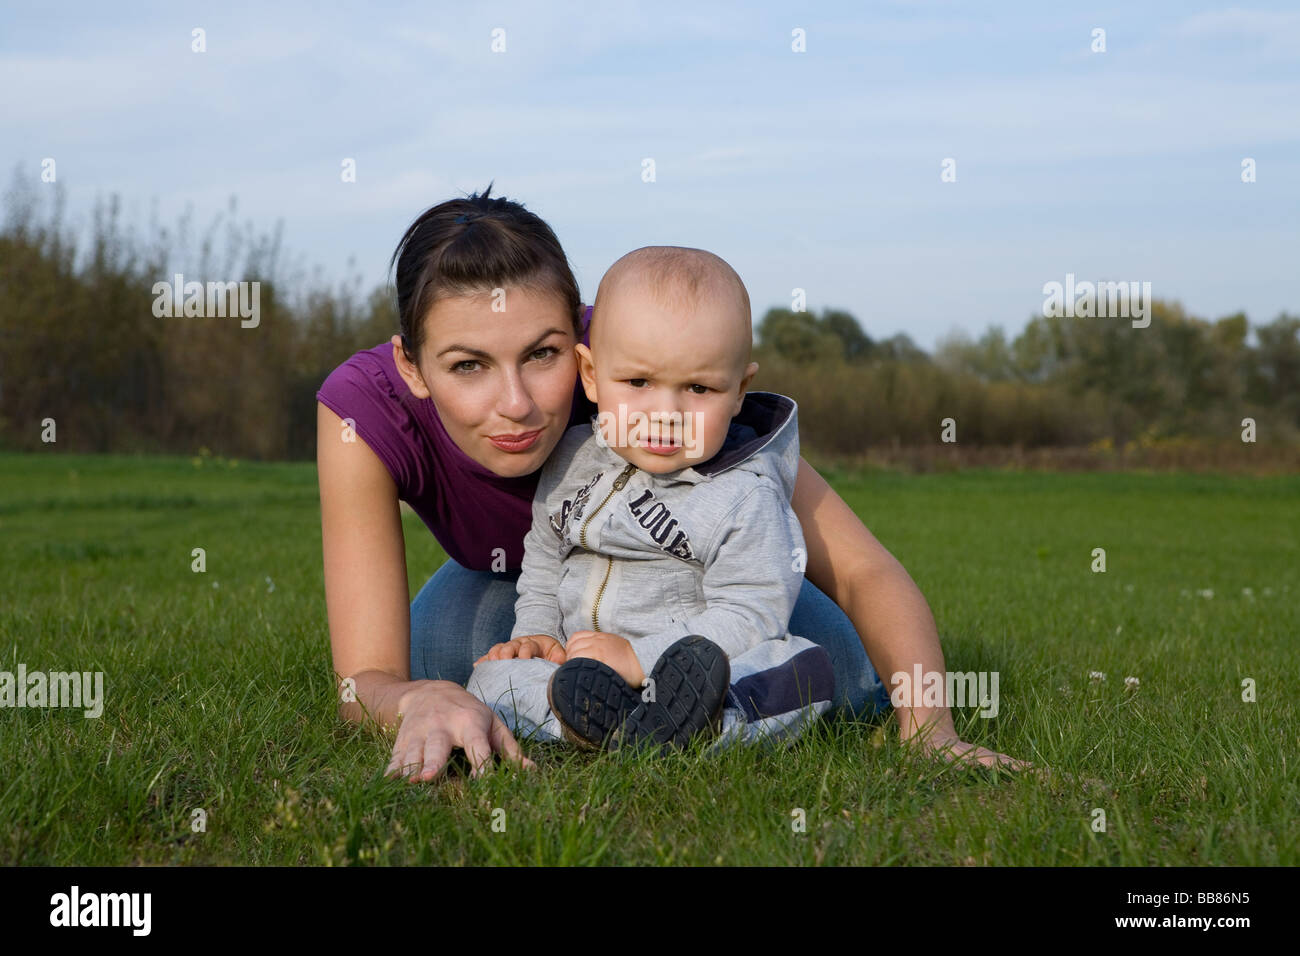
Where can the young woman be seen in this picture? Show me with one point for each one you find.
(455, 416)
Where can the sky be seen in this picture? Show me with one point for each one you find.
(819, 170)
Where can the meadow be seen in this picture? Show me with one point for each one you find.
(219, 697)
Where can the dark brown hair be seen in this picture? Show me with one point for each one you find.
(470, 246)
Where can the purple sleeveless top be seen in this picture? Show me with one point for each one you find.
(469, 509)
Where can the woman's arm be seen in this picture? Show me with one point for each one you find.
(367, 600)
(887, 609)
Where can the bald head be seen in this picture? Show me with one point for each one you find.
(692, 285)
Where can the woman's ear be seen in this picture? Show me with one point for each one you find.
(586, 371)
(409, 371)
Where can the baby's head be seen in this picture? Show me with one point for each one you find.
(668, 366)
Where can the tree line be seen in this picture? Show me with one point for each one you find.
(80, 344)
(1062, 382)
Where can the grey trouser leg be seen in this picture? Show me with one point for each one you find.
(516, 690)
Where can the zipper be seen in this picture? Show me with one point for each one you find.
(619, 482)
(595, 608)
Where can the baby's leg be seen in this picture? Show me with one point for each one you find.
(778, 688)
(516, 690)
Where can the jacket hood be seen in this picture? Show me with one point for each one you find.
(763, 438)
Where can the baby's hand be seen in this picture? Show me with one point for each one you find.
(526, 648)
(609, 649)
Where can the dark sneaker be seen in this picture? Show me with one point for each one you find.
(686, 698)
(591, 700)
(597, 708)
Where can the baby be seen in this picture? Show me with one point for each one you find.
(664, 558)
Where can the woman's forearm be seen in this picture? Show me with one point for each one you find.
(898, 631)
(886, 607)
(366, 595)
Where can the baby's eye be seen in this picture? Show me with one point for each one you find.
(704, 387)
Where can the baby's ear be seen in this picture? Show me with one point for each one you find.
(586, 371)
(744, 387)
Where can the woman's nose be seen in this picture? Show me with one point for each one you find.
(515, 401)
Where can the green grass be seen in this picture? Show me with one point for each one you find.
(220, 694)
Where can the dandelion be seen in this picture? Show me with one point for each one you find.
(1131, 683)
(1096, 676)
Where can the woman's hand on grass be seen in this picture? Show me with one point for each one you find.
(955, 750)
(939, 738)
(441, 716)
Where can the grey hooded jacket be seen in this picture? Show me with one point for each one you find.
(712, 549)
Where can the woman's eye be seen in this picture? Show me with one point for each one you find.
(545, 352)
(457, 366)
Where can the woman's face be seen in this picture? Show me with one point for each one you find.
(502, 381)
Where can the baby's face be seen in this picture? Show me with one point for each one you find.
(667, 381)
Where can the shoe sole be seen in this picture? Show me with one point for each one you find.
(690, 683)
(596, 708)
(590, 700)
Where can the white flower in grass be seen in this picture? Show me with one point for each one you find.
(270, 585)
(1248, 592)
(1206, 592)
(1096, 676)
(1131, 683)
(216, 584)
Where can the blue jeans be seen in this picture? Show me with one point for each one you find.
(460, 614)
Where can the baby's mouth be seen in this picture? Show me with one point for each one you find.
(661, 446)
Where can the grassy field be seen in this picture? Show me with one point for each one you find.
(219, 694)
